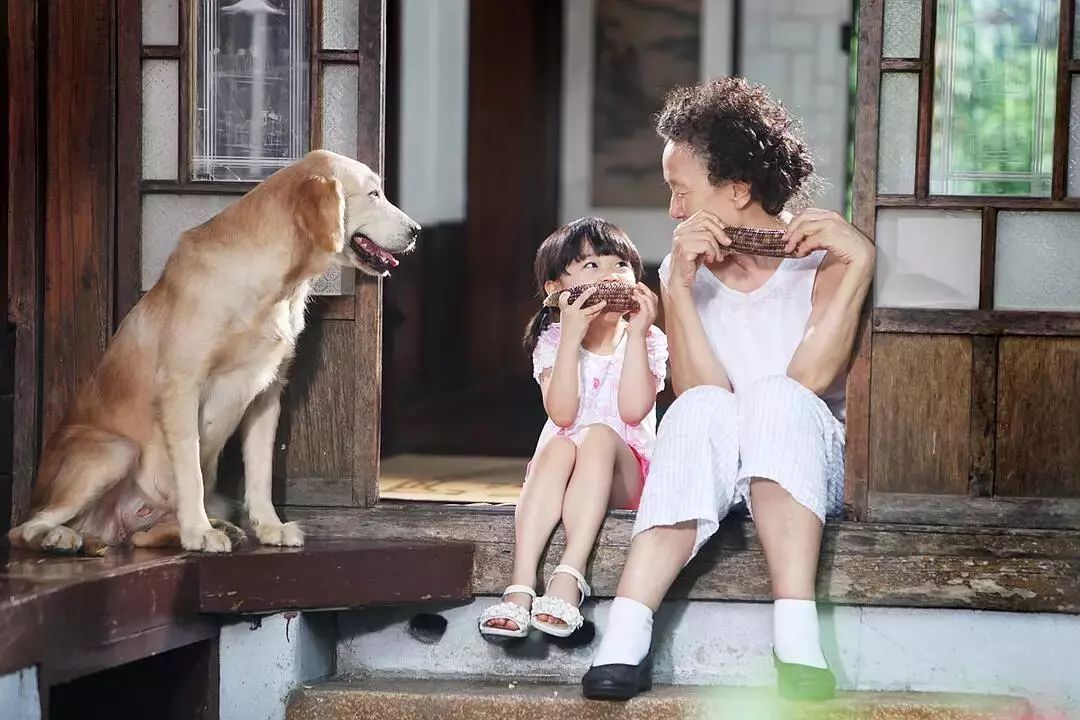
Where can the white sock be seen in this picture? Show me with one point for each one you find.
(628, 634)
(796, 638)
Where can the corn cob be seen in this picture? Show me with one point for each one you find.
(756, 241)
(619, 296)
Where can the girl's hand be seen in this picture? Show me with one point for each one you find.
(699, 238)
(824, 229)
(642, 320)
(574, 318)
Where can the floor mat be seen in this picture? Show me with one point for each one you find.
(451, 478)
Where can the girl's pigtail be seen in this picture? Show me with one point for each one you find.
(535, 328)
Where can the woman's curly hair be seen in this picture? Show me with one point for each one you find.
(743, 135)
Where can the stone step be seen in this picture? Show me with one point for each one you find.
(416, 699)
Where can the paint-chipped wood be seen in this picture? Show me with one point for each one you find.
(920, 414)
(1038, 449)
(334, 574)
(909, 566)
(957, 511)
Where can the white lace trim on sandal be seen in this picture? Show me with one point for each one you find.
(558, 608)
(506, 610)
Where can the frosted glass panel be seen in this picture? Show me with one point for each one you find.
(251, 88)
(994, 87)
(897, 136)
(164, 217)
(928, 258)
(1074, 139)
(160, 22)
(340, 24)
(339, 109)
(160, 119)
(1037, 261)
(903, 28)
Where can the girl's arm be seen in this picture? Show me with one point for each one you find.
(840, 290)
(637, 383)
(561, 384)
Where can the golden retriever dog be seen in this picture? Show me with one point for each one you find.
(204, 352)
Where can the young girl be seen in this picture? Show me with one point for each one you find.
(599, 373)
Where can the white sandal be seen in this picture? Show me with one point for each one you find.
(507, 610)
(559, 608)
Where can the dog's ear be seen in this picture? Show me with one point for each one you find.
(320, 213)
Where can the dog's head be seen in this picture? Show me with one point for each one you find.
(341, 208)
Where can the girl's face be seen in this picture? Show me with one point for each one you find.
(593, 268)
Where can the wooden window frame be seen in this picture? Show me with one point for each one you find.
(985, 324)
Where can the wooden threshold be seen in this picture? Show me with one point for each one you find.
(862, 563)
(963, 510)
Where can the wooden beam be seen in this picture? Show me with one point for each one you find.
(977, 322)
(864, 215)
(961, 510)
(987, 258)
(25, 225)
(984, 365)
(258, 579)
(978, 202)
(901, 65)
(861, 563)
(128, 158)
(1059, 173)
(156, 52)
(926, 99)
(200, 187)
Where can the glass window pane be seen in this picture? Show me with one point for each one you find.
(164, 217)
(160, 22)
(1037, 262)
(897, 135)
(339, 108)
(903, 29)
(1074, 139)
(341, 24)
(994, 88)
(160, 119)
(928, 258)
(251, 88)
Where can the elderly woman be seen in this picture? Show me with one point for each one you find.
(759, 349)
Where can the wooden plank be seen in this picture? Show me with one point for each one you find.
(1059, 176)
(79, 200)
(976, 322)
(158, 52)
(128, 158)
(185, 121)
(1038, 406)
(987, 258)
(24, 232)
(978, 202)
(367, 321)
(200, 187)
(901, 65)
(340, 57)
(984, 363)
(926, 98)
(861, 563)
(319, 404)
(331, 307)
(920, 414)
(864, 214)
(316, 491)
(998, 512)
(261, 579)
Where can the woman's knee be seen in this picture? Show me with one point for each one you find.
(778, 397)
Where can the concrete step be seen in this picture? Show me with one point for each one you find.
(415, 699)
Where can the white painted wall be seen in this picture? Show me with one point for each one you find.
(1034, 656)
(262, 664)
(434, 103)
(19, 696)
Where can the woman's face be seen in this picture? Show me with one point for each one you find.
(688, 179)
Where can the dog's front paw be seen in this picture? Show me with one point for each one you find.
(61, 539)
(208, 540)
(288, 534)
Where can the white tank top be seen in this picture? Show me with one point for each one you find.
(755, 334)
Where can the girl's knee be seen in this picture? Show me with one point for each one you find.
(559, 447)
(599, 434)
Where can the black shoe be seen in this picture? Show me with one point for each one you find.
(617, 681)
(803, 682)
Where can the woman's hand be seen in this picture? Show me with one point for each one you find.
(700, 238)
(826, 230)
(574, 317)
(642, 320)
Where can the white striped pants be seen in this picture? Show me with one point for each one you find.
(712, 442)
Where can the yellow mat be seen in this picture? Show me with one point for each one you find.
(451, 478)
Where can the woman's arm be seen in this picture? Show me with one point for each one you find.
(840, 290)
(693, 361)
